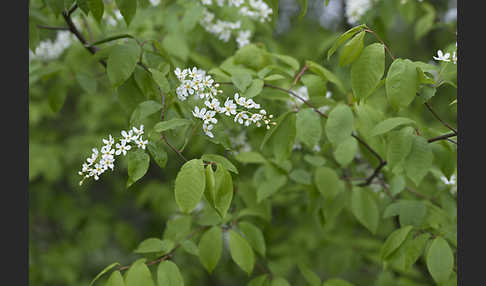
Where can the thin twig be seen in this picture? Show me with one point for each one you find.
(438, 118)
(52, 28)
(379, 39)
(442, 137)
(298, 76)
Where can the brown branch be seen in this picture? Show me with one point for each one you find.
(438, 118)
(442, 137)
(379, 39)
(52, 28)
(375, 174)
(298, 76)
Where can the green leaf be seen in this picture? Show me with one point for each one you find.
(138, 163)
(346, 151)
(409, 212)
(390, 123)
(122, 62)
(308, 274)
(83, 4)
(426, 22)
(327, 182)
(394, 240)
(283, 137)
(308, 127)
(33, 35)
(339, 125)
(409, 252)
(241, 79)
(223, 191)
(168, 274)
(87, 82)
(426, 93)
(161, 80)
(399, 146)
(190, 247)
(440, 260)
(397, 184)
(303, 9)
(365, 209)
(178, 228)
(252, 56)
(254, 236)
(139, 274)
(261, 280)
(189, 185)
(144, 110)
(337, 282)
(171, 124)
(343, 38)
(191, 17)
(270, 186)
(419, 161)
(57, 6)
(210, 248)
(401, 83)
(176, 45)
(301, 176)
(367, 70)
(274, 77)
(56, 98)
(97, 8)
(290, 61)
(352, 49)
(155, 245)
(156, 149)
(325, 74)
(128, 9)
(279, 281)
(220, 161)
(241, 252)
(254, 89)
(115, 279)
(105, 270)
(250, 157)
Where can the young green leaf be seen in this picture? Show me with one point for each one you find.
(352, 49)
(308, 274)
(279, 281)
(337, 282)
(116, 279)
(105, 270)
(399, 146)
(189, 185)
(155, 245)
(156, 149)
(254, 89)
(128, 9)
(254, 236)
(210, 248)
(122, 62)
(339, 125)
(365, 209)
(241, 252)
(325, 74)
(161, 80)
(171, 124)
(308, 127)
(250, 157)
(223, 191)
(327, 182)
(343, 38)
(178, 228)
(241, 79)
(346, 151)
(409, 212)
(389, 124)
(419, 161)
(440, 260)
(168, 274)
(401, 83)
(261, 280)
(138, 163)
(394, 240)
(144, 110)
(139, 274)
(220, 161)
(97, 8)
(367, 70)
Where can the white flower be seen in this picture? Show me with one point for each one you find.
(214, 104)
(240, 100)
(106, 150)
(243, 38)
(209, 117)
(207, 81)
(154, 2)
(109, 142)
(236, 3)
(328, 94)
(207, 129)
(442, 57)
(128, 136)
(355, 9)
(181, 75)
(98, 170)
(141, 143)
(207, 2)
(199, 113)
(229, 107)
(454, 58)
(138, 132)
(107, 161)
(122, 148)
(452, 181)
(241, 117)
(316, 148)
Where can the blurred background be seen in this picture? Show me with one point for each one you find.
(75, 231)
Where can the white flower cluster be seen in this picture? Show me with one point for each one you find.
(196, 81)
(446, 57)
(49, 50)
(94, 168)
(253, 9)
(355, 9)
(239, 143)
